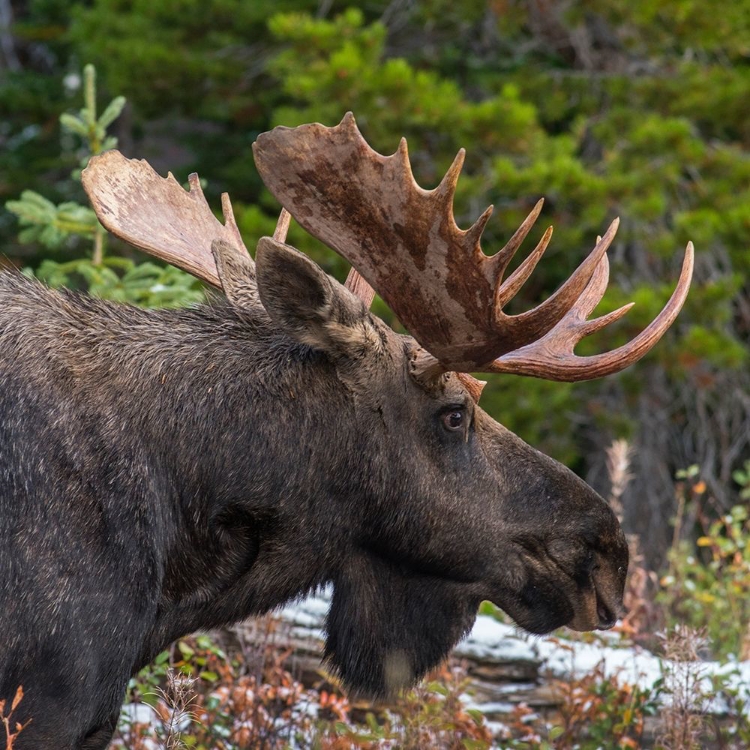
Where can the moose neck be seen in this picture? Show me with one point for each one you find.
(225, 436)
(200, 449)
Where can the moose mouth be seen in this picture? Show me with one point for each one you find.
(598, 607)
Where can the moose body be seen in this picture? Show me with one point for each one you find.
(167, 471)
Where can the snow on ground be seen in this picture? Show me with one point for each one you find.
(493, 642)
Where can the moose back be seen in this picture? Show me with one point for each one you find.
(163, 471)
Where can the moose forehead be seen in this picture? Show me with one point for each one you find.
(402, 351)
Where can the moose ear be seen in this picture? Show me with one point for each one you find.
(308, 305)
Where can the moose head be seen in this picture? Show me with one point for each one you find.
(433, 505)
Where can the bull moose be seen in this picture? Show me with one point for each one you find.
(163, 471)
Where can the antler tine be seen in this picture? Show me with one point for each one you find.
(282, 226)
(446, 190)
(592, 326)
(509, 288)
(227, 212)
(591, 297)
(474, 232)
(500, 260)
(551, 357)
(157, 215)
(533, 324)
(359, 287)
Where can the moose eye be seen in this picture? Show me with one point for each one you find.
(454, 420)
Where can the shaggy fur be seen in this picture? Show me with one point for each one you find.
(165, 471)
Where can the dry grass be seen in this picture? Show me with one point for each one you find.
(684, 715)
(12, 728)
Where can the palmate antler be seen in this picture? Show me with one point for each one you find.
(434, 276)
(157, 215)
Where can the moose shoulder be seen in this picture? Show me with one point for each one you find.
(164, 471)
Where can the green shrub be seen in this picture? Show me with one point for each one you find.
(71, 224)
(707, 585)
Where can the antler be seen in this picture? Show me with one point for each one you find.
(445, 290)
(157, 215)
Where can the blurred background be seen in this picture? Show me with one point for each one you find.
(605, 109)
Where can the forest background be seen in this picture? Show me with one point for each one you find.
(604, 109)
